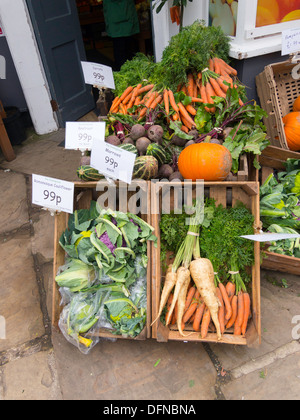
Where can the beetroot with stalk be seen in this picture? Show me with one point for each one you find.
(142, 144)
(155, 133)
(119, 131)
(114, 140)
(137, 131)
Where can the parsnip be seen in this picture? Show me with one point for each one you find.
(185, 273)
(170, 281)
(182, 275)
(202, 272)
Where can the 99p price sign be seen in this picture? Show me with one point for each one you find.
(52, 193)
(112, 161)
(98, 75)
(80, 135)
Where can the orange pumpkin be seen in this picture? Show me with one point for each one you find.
(205, 161)
(296, 105)
(292, 130)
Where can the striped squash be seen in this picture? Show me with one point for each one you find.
(145, 167)
(87, 173)
(158, 152)
(130, 148)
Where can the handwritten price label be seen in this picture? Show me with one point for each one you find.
(52, 193)
(98, 75)
(81, 135)
(112, 161)
(290, 41)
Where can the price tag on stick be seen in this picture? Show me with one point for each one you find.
(98, 75)
(81, 134)
(112, 161)
(52, 193)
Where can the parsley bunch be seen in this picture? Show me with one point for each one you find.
(222, 244)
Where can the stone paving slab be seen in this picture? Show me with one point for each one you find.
(19, 297)
(13, 203)
(32, 377)
(133, 370)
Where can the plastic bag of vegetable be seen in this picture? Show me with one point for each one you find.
(76, 275)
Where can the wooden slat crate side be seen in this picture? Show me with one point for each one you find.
(84, 193)
(219, 191)
(277, 90)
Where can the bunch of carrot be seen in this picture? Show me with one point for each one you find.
(201, 87)
(234, 310)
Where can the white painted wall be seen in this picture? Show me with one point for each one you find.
(20, 38)
(164, 29)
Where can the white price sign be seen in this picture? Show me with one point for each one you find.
(112, 161)
(52, 193)
(290, 41)
(81, 135)
(98, 75)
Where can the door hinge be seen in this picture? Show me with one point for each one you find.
(54, 105)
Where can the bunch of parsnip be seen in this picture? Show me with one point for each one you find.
(189, 264)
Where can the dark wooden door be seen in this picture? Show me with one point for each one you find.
(59, 37)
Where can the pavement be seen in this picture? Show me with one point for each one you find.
(37, 363)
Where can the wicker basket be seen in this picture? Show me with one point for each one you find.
(277, 90)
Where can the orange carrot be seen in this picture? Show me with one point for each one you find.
(185, 129)
(123, 109)
(234, 312)
(147, 104)
(145, 89)
(190, 85)
(217, 66)
(241, 309)
(189, 297)
(205, 322)
(217, 89)
(227, 67)
(191, 109)
(184, 90)
(166, 101)
(127, 98)
(195, 99)
(126, 92)
(172, 101)
(237, 329)
(198, 317)
(134, 95)
(210, 93)
(156, 101)
(230, 289)
(186, 123)
(226, 302)
(190, 311)
(221, 83)
(211, 65)
(204, 96)
(185, 114)
(247, 304)
(241, 102)
(221, 313)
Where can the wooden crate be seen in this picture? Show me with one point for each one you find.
(277, 91)
(272, 159)
(227, 194)
(85, 192)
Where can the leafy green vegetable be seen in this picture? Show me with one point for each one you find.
(247, 134)
(221, 243)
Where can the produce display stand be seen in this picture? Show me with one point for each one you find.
(277, 90)
(227, 194)
(272, 159)
(85, 192)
